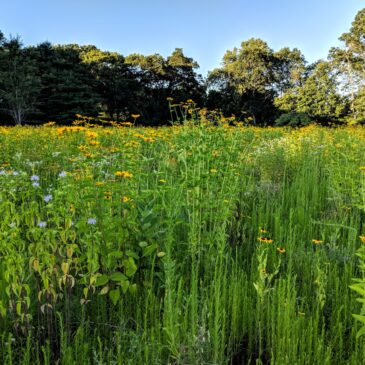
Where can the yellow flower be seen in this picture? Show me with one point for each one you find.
(362, 168)
(169, 99)
(135, 116)
(91, 134)
(99, 183)
(162, 181)
(281, 249)
(265, 240)
(124, 174)
(362, 238)
(262, 230)
(317, 242)
(125, 199)
(107, 195)
(213, 171)
(94, 143)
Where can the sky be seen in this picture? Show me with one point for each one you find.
(205, 29)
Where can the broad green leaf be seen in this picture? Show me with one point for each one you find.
(114, 295)
(118, 276)
(124, 285)
(101, 280)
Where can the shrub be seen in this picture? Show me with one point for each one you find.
(293, 119)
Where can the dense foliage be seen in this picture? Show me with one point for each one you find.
(182, 245)
(254, 83)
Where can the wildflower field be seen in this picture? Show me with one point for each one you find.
(182, 245)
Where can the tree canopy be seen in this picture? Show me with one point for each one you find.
(254, 82)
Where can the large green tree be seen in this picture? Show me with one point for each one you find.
(349, 60)
(19, 84)
(159, 78)
(251, 77)
(67, 84)
(317, 97)
(116, 82)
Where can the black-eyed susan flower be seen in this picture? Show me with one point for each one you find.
(107, 195)
(317, 242)
(124, 174)
(94, 143)
(91, 134)
(265, 240)
(362, 239)
(281, 249)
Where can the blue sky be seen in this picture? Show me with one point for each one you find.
(205, 29)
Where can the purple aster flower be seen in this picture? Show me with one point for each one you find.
(15, 173)
(35, 184)
(47, 198)
(42, 224)
(2, 172)
(34, 178)
(62, 174)
(91, 221)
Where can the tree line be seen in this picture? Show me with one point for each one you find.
(256, 84)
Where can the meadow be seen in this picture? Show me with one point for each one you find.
(181, 245)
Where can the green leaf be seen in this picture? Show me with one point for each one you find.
(133, 288)
(359, 318)
(360, 332)
(101, 280)
(124, 285)
(359, 289)
(130, 267)
(149, 250)
(116, 254)
(114, 295)
(118, 276)
(130, 253)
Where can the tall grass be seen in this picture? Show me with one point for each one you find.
(181, 245)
